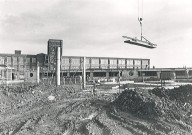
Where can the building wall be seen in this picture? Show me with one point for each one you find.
(102, 63)
(95, 66)
(129, 74)
(20, 64)
(107, 67)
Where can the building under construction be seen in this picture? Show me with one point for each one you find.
(24, 67)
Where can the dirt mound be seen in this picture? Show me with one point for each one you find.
(72, 111)
(139, 104)
(182, 94)
(157, 103)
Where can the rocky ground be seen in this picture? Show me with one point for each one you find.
(67, 110)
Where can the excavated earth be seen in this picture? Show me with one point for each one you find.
(67, 110)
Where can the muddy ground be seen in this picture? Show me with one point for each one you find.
(67, 110)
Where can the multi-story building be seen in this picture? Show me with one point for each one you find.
(23, 66)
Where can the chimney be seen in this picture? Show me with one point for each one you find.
(18, 52)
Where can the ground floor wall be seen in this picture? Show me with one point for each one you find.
(125, 74)
(98, 75)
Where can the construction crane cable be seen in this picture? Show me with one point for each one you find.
(143, 41)
(140, 9)
(140, 15)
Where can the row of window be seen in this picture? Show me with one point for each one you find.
(75, 67)
(97, 61)
(8, 60)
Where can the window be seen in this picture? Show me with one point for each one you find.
(33, 60)
(31, 74)
(75, 61)
(130, 63)
(2, 60)
(145, 63)
(9, 61)
(95, 63)
(137, 64)
(121, 61)
(21, 60)
(28, 60)
(104, 61)
(65, 61)
(113, 61)
(14, 60)
(21, 67)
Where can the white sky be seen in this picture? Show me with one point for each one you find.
(96, 27)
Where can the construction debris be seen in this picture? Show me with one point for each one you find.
(47, 109)
(170, 105)
(140, 104)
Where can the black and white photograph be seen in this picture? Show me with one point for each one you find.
(95, 67)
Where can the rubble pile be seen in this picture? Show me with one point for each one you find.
(182, 94)
(158, 103)
(139, 104)
(177, 102)
(41, 105)
(24, 97)
(47, 109)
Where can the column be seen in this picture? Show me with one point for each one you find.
(38, 73)
(84, 72)
(58, 67)
(107, 75)
(91, 75)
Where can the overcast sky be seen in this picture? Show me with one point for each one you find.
(96, 27)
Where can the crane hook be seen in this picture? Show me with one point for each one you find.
(140, 21)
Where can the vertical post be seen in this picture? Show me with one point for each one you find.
(161, 79)
(58, 67)
(7, 77)
(148, 64)
(11, 76)
(119, 80)
(107, 75)
(84, 72)
(47, 77)
(133, 64)
(91, 75)
(187, 72)
(38, 73)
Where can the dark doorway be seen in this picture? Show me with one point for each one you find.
(13, 76)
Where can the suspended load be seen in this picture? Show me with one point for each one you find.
(143, 42)
(138, 42)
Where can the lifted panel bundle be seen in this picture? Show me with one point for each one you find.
(138, 42)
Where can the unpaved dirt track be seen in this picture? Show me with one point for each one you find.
(74, 112)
